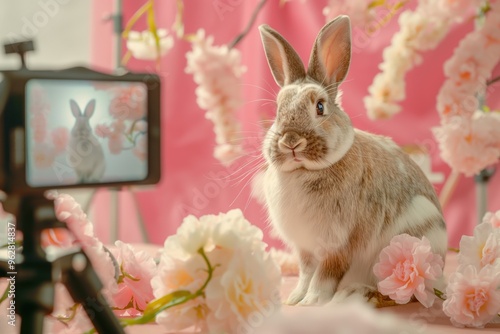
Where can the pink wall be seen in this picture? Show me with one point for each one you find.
(194, 182)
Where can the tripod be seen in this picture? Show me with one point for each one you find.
(35, 275)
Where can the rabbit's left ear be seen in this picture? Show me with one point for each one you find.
(89, 109)
(331, 54)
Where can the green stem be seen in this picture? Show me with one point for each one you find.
(184, 297)
(439, 294)
(137, 15)
(5, 294)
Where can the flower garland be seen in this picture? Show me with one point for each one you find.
(46, 145)
(363, 13)
(217, 70)
(421, 30)
(468, 137)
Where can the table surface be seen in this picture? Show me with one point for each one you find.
(431, 320)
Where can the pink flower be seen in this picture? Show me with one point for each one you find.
(69, 211)
(141, 148)
(115, 143)
(102, 130)
(58, 237)
(470, 145)
(473, 297)
(493, 218)
(408, 267)
(43, 155)
(39, 127)
(128, 104)
(134, 287)
(60, 137)
(481, 249)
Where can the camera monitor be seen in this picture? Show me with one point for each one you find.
(78, 128)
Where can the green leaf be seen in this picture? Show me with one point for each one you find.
(158, 304)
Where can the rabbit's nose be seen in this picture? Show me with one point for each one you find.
(291, 141)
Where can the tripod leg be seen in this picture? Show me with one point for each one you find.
(32, 321)
(84, 286)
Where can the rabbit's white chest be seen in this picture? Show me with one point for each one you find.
(297, 219)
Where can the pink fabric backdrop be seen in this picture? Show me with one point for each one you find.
(194, 182)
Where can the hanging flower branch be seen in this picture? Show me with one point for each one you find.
(217, 70)
(47, 144)
(363, 13)
(421, 29)
(469, 135)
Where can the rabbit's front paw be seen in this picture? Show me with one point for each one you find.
(296, 296)
(316, 298)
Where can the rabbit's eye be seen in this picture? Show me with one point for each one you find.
(320, 109)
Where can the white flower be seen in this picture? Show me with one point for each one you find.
(244, 281)
(481, 249)
(142, 45)
(175, 274)
(192, 235)
(248, 287)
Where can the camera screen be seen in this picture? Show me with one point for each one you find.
(80, 131)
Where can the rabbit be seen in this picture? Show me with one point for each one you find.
(334, 194)
(87, 154)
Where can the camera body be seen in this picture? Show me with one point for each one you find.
(78, 128)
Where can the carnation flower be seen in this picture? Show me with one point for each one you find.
(482, 249)
(473, 297)
(408, 267)
(217, 70)
(142, 45)
(134, 284)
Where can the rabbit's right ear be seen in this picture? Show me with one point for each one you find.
(284, 62)
(75, 109)
(89, 109)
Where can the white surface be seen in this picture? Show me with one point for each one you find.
(60, 29)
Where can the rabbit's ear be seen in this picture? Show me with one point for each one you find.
(331, 54)
(284, 62)
(89, 109)
(75, 109)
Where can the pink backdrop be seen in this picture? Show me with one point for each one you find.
(194, 182)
